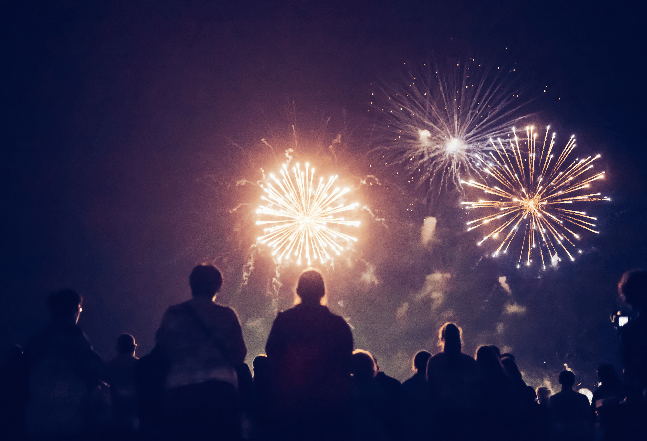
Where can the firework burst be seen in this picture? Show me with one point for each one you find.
(440, 124)
(300, 217)
(532, 187)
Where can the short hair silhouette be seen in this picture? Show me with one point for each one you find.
(260, 364)
(633, 288)
(543, 395)
(567, 379)
(607, 374)
(64, 303)
(363, 364)
(126, 344)
(488, 360)
(420, 361)
(511, 368)
(311, 287)
(205, 281)
(449, 336)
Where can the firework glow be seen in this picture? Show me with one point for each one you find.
(440, 124)
(300, 217)
(532, 187)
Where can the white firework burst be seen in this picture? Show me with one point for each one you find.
(301, 219)
(438, 127)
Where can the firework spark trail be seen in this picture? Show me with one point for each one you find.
(441, 123)
(297, 216)
(529, 194)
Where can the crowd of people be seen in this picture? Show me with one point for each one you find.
(311, 384)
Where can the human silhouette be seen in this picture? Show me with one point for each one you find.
(370, 400)
(494, 397)
(261, 380)
(150, 380)
(605, 403)
(543, 396)
(523, 399)
(541, 424)
(394, 420)
(63, 373)
(633, 335)
(570, 411)
(416, 398)
(450, 375)
(203, 343)
(119, 373)
(633, 346)
(309, 352)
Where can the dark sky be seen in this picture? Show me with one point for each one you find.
(126, 125)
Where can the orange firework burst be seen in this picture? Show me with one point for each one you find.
(532, 188)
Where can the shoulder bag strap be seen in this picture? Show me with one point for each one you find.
(207, 332)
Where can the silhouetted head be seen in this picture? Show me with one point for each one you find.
(608, 374)
(205, 281)
(260, 365)
(126, 344)
(511, 368)
(363, 365)
(420, 361)
(633, 288)
(543, 395)
(566, 379)
(311, 287)
(65, 306)
(450, 337)
(488, 361)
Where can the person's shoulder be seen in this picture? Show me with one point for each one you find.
(437, 358)
(225, 312)
(178, 308)
(467, 358)
(222, 308)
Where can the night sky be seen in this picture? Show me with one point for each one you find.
(128, 128)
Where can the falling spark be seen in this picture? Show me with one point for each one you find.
(528, 198)
(299, 217)
(440, 124)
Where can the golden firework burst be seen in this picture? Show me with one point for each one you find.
(533, 185)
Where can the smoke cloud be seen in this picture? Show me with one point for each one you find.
(427, 230)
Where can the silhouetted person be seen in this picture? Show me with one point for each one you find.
(63, 373)
(416, 398)
(541, 416)
(523, 393)
(523, 397)
(202, 342)
(309, 353)
(633, 345)
(393, 389)
(571, 411)
(150, 379)
(633, 335)
(494, 397)
(543, 397)
(261, 388)
(119, 373)
(13, 394)
(450, 375)
(370, 400)
(605, 403)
